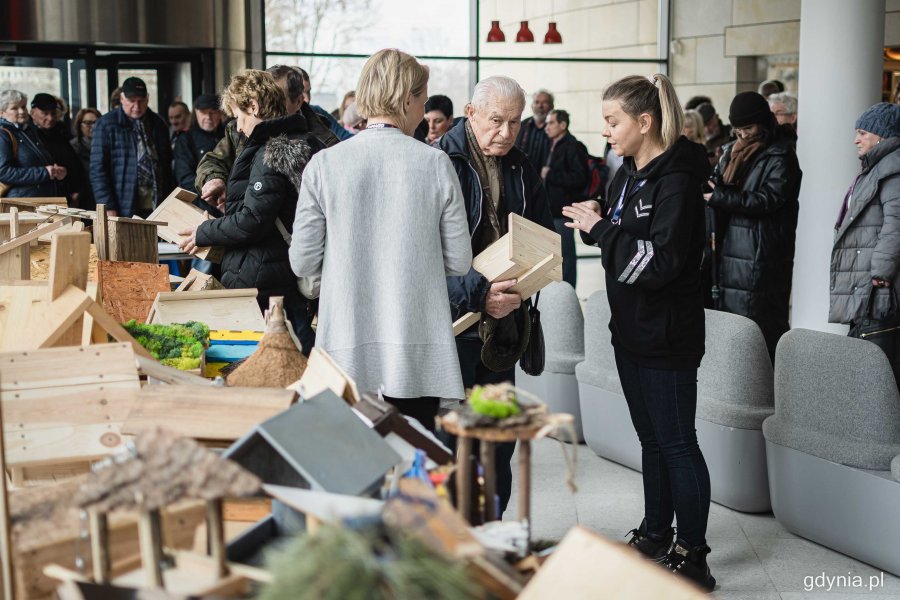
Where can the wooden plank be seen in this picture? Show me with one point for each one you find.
(15, 263)
(26, 222)
(6, 548)
(152, 368)
(34, 234)
(205, 413)
(538, 277)
(531, 242)
(67, 428)
(321, 374)
(17, 302)
(219, 309)
(69, 226)
(586, 565)
(325, 506)
(494, 261)
(128, 289)
(14, 222)
(63, 371)
(50, 322)
(150, 541)
(133, 240)
(465, 321)
(247, 510)
(101, 233)
(102, 318)
(179, 214)
(69, 253)
(30, 203)
(197, 281)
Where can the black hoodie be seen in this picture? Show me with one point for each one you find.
(652, 258)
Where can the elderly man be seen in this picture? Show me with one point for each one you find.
(784, 107)
(532, 138)
(45, 116)
(496, 179)
(203, 135)
(131, 159)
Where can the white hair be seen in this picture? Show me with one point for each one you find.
(787, 99)
(496, 88)
(10, 98)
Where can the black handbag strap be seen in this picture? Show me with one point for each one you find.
(892, 306)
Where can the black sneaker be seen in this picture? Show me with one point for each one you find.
(652, 545)
(691, 564)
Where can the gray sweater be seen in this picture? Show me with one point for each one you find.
(381, 217)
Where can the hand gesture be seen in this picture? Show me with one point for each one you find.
(584, 215)
(500, 302)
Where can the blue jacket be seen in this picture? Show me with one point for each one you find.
(114, 160)
(524, 195)
(25, 171)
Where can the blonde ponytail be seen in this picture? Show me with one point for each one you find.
(655, 96)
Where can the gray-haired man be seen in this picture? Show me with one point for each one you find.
(496, 179)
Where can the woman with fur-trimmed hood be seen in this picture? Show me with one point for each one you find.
(262, 194)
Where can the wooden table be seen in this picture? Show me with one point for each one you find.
(488, 438)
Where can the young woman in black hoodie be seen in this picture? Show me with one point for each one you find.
(651, 232)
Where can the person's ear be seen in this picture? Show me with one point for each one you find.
(469, 111)
(645, 121)
(254, 108)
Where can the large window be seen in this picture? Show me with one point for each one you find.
(602, 41)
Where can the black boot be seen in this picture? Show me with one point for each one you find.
(691, 563)
(654, 546)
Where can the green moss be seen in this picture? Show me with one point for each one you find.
(177, 345)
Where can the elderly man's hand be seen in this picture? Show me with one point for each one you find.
(499, 301)
(213, 191)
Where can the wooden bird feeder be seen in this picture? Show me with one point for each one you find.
(126, 239)
(529, 253)
(178, 213)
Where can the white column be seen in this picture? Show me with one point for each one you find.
(841, 47)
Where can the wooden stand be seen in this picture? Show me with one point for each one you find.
(219, 309)
(488, 437)
(15, 254)
(30, 204)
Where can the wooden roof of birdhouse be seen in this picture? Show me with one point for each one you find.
(161, 470)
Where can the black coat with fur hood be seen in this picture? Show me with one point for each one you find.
(263, 186)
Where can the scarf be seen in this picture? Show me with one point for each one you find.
(488, 170)
(741, 153)
(146, 159)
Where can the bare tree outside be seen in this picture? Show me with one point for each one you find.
(322, 27)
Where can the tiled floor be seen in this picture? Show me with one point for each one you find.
(753, 557)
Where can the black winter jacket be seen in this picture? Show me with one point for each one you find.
(56, 140)
(524, 195)
(756, 224)
(652, 258)
(189, 148)
(264, 185)
(568, 174)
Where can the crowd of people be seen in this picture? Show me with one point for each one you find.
(369, 218)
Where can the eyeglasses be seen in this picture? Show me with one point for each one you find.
(91, 123)
(781, 113)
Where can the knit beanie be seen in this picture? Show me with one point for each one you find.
(882, 119)
(749, 108)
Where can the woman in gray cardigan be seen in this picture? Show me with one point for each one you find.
(381, 217)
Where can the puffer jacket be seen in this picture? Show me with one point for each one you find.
(114, 169)
(867, 242)
(756, 226)
(24, 168)
(523, 193)
(263, 186)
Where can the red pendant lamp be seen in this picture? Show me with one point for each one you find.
(496, 34)
(524, 34)
(552, 36)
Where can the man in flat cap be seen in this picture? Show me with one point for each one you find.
(131, 160)
(46, 118)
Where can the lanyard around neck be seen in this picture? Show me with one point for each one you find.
(617, 213)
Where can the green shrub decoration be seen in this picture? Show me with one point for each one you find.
(179, 345)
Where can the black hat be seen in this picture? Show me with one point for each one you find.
(134, 87)
(206, 101)
(749, 108)
(44, 102)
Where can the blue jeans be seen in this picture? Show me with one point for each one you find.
(570, 260)
(663, 405)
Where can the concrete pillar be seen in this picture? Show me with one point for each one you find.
(841, 47)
